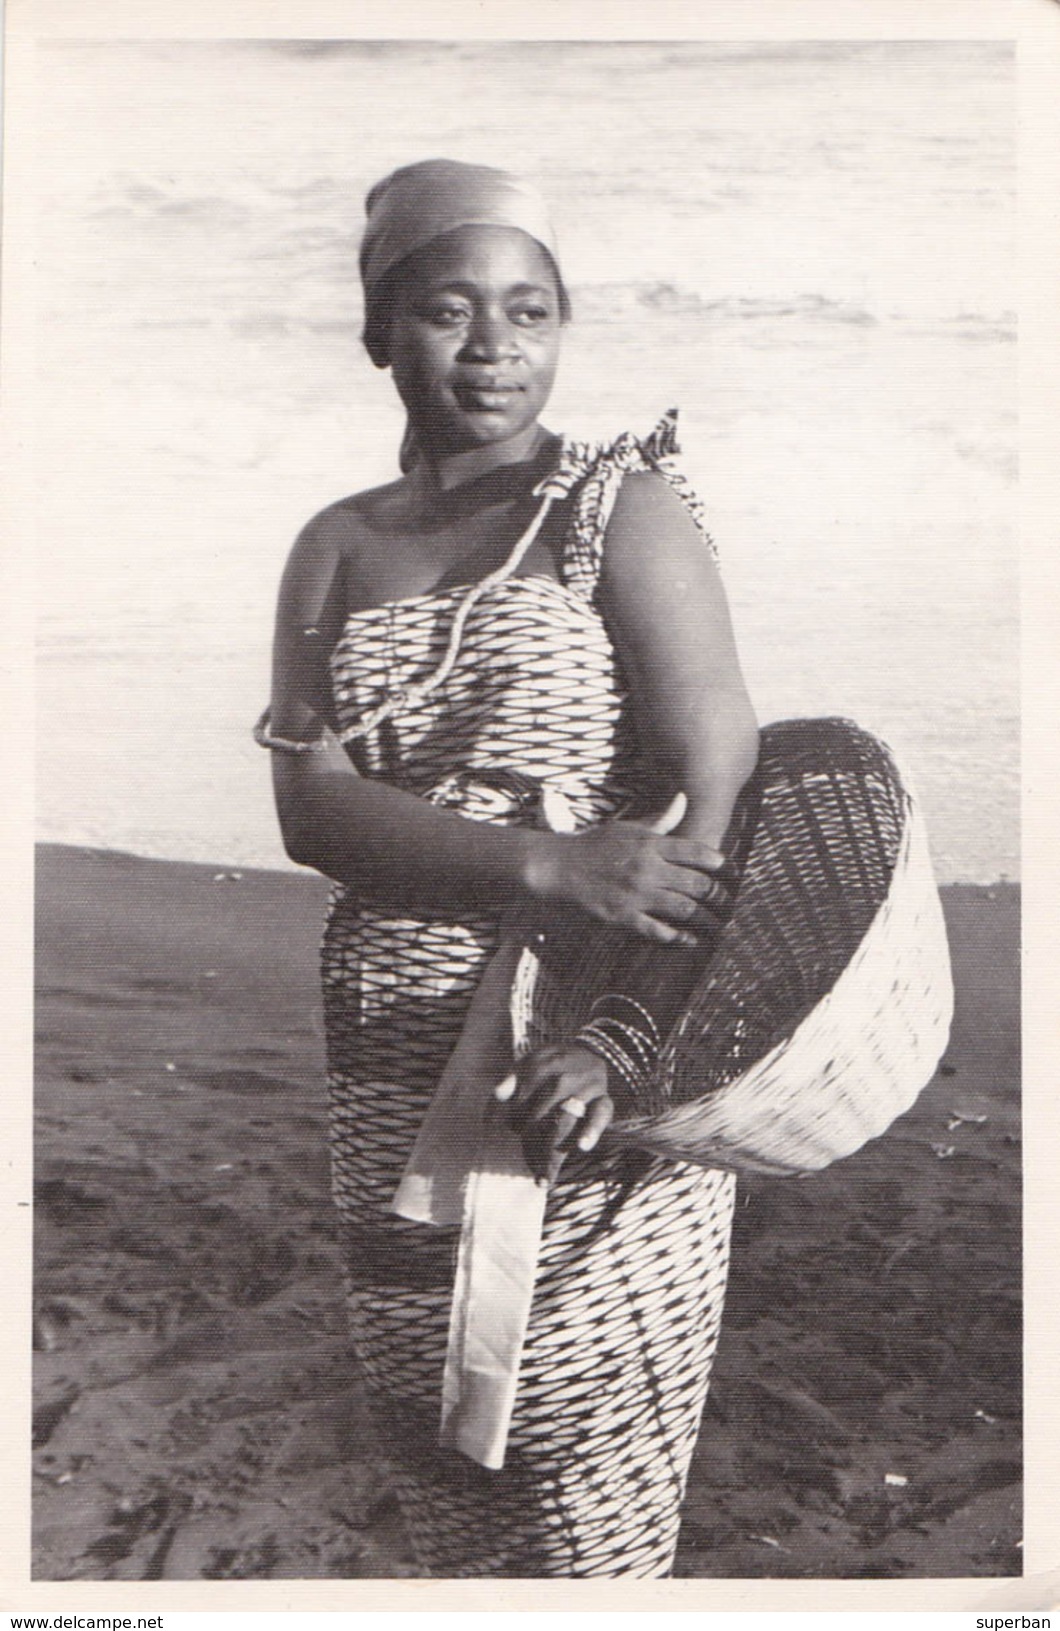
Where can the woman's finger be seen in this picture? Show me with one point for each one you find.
(558, 1144)
(694, 885)
(537, 1152)
(600, 1116)
(522, 1103)
(567, 1120)
(688, 907)
(540, 1147)
(556, 1095)
(546, 1143)
(666, 934)
(555, 1165)
(699, 910)
(531, 1073)
(691, 853)
(540, 1088)
(672, 906)
(710, 887)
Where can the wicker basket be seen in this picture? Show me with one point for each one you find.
(826, 1003)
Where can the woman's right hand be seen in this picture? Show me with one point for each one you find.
(634, 876)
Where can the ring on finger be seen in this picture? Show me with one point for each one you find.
(575, 1107)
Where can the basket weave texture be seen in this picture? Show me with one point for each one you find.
(826, 1002)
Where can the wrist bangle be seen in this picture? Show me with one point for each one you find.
(627, 1039)
(628, 1051)
(611, 1057)
(604, 1008)
(285, 744)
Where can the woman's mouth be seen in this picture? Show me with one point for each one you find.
(485, 396)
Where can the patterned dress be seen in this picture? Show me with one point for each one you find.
(631, 1276)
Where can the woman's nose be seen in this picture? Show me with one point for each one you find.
(489, 337)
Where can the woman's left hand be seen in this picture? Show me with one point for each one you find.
(553, 1094)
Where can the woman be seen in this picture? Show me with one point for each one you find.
(514, 616)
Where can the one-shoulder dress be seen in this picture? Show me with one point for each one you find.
(631, 1275)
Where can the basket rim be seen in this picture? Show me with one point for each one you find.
(910, 816)
(528, 972)
(823, 1005)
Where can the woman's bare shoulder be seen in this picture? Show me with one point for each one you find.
(651, 525)
(329, 553)
(647, 493)
(341, 528)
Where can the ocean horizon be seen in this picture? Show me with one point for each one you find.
(807, 247)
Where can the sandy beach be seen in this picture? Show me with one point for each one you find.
(197, 1414)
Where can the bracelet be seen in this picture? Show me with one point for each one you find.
(631, 1040)
(603, 1004)
(627, 1039)
(624, 1047)
(599, 1045)
(285, 744)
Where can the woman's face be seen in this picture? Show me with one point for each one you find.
(475, 337)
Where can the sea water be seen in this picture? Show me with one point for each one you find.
(807, 247)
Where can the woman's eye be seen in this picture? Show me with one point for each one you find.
(447, 316)
(529, 315)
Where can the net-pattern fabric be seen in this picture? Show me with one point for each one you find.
(631, 1279)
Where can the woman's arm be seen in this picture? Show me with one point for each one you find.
(394, 847)
(665, 606)
(403, 853)
(667, 610)
(663, 599)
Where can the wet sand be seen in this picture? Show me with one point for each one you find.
(197, 1415)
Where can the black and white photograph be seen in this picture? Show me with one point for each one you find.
(527, 899)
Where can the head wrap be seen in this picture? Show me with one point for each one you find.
(421, 202)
